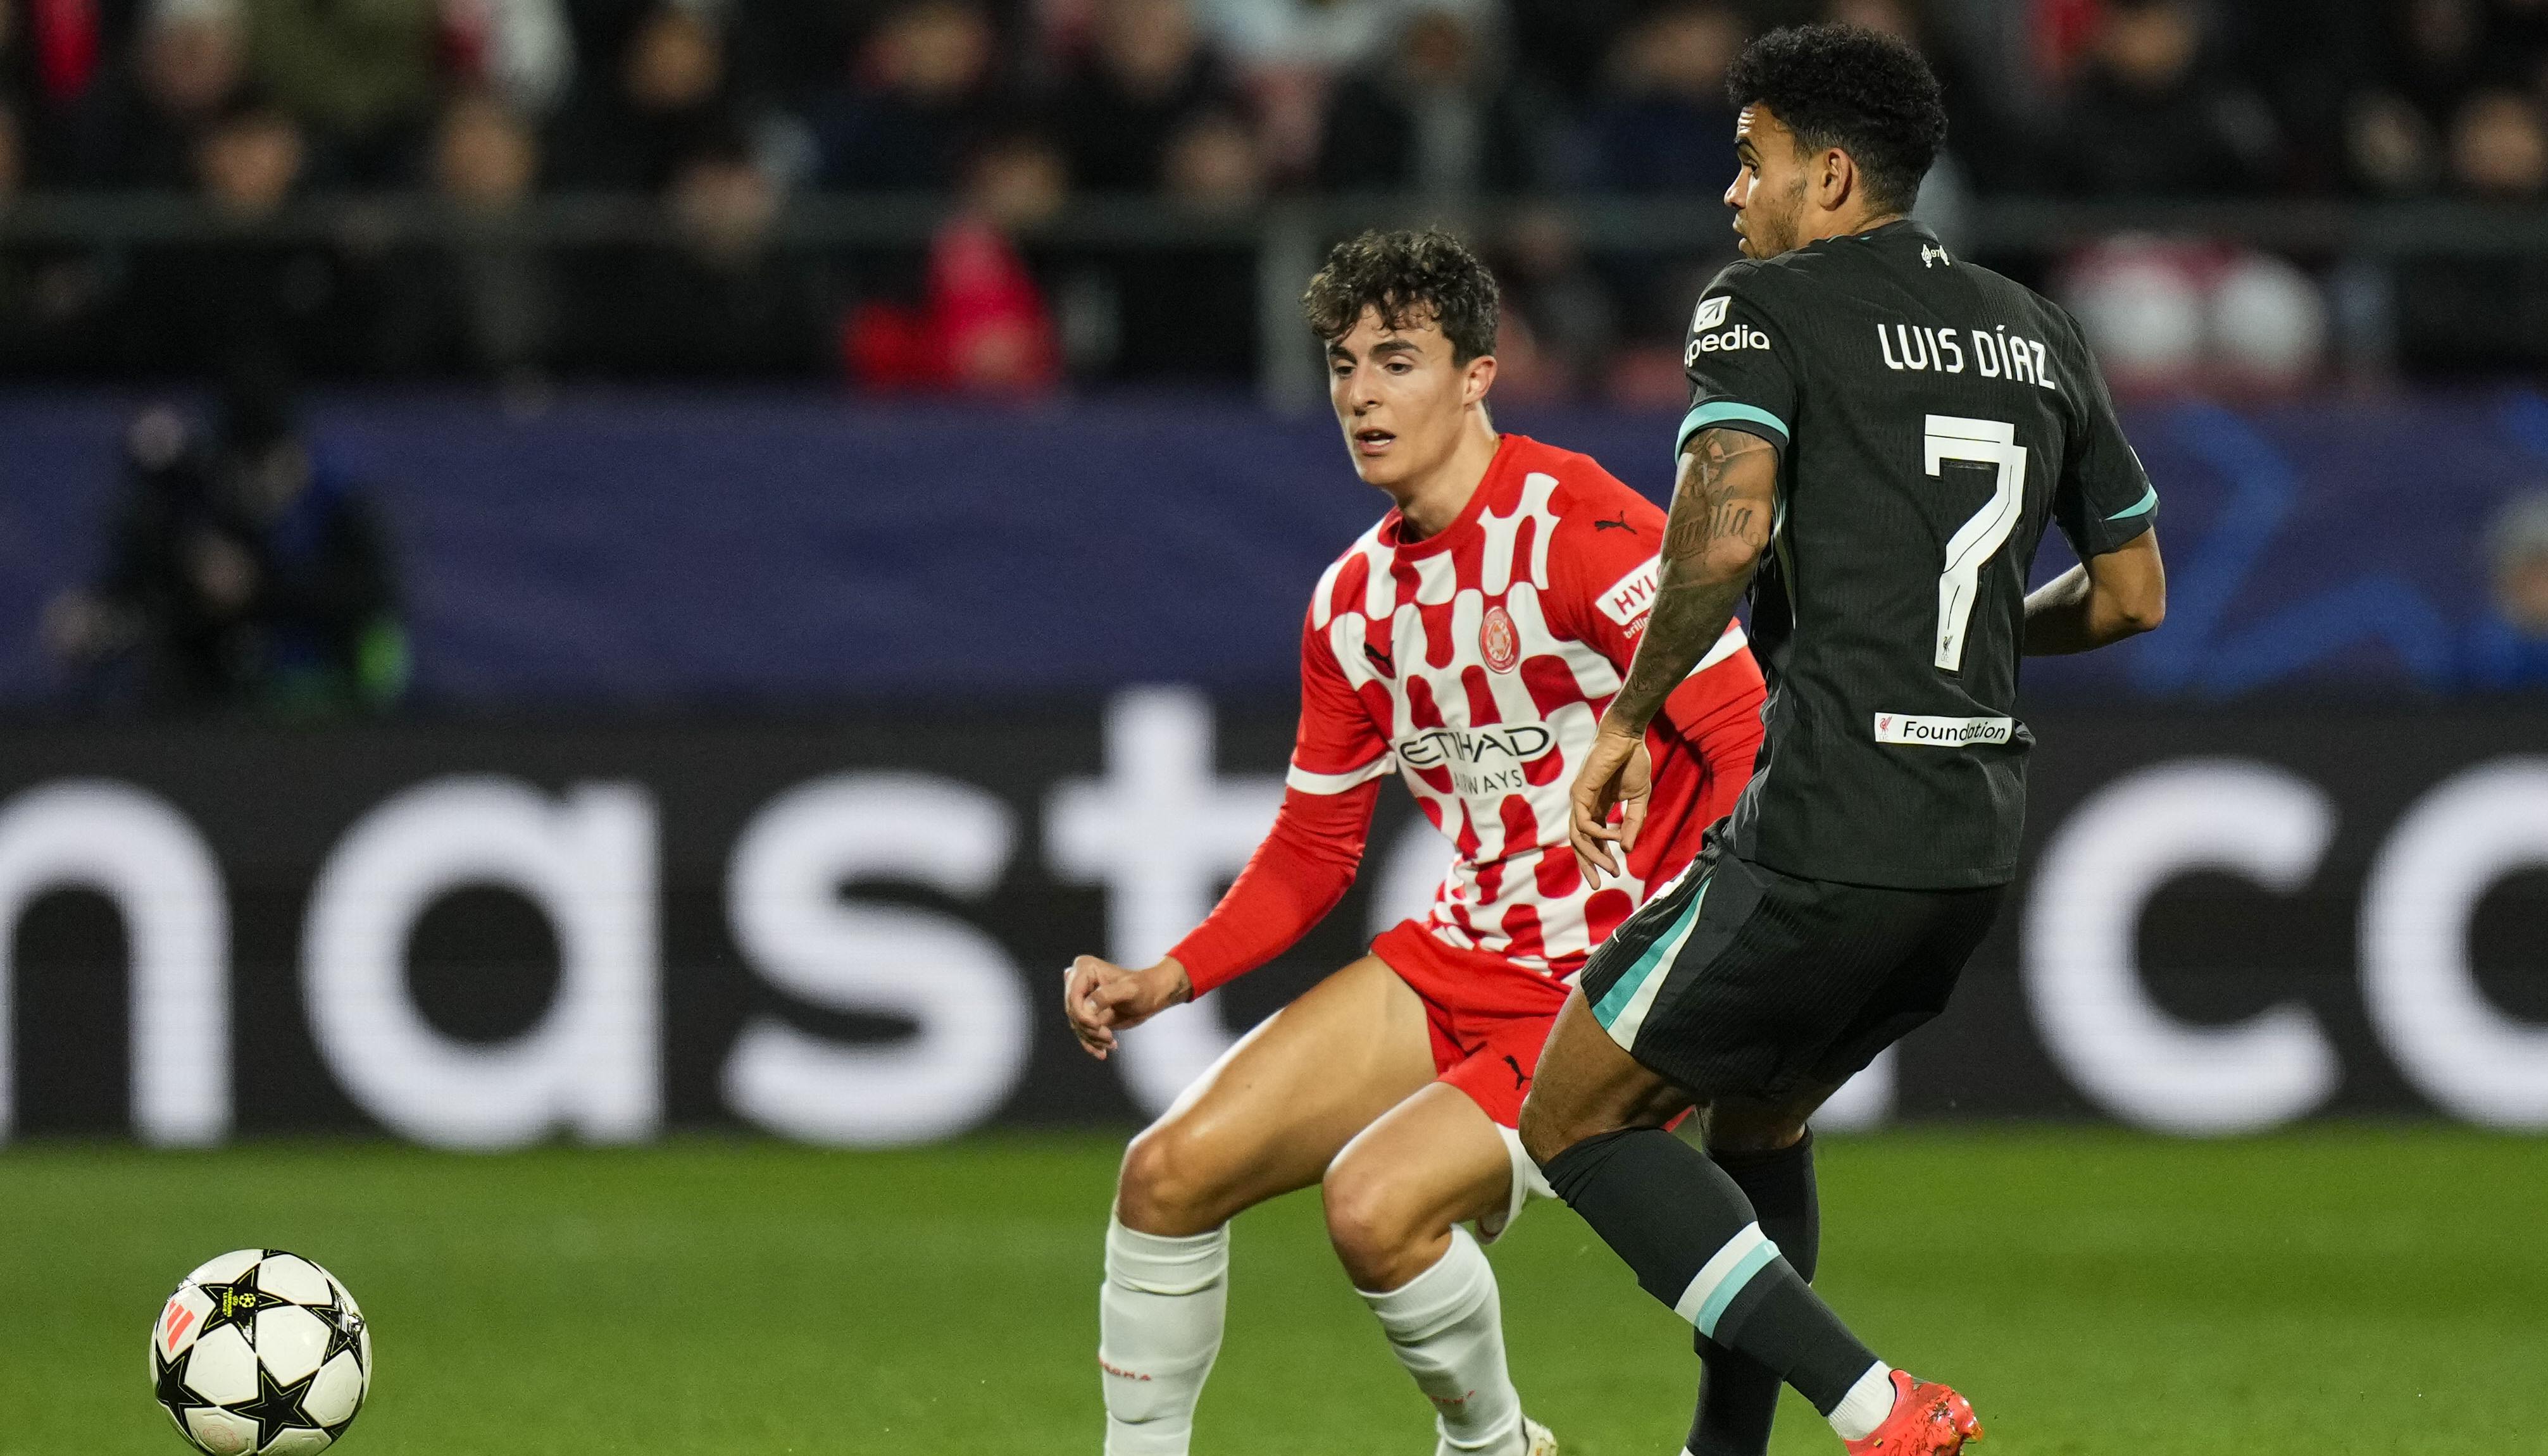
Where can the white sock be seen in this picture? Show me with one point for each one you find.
(1158, 1328)
(1866, 1405)
(1447, 1326)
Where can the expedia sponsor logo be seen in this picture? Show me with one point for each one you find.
(1711, 313)
(1740, 336)
(1913, 729)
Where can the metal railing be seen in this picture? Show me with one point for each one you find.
(1286, 236)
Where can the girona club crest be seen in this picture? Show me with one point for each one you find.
(1497, 642)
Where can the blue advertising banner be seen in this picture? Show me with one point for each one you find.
(665, 550)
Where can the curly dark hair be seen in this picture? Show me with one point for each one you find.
(1410, 278)
(1860, 90)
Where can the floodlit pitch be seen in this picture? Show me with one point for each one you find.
(2168, 1299)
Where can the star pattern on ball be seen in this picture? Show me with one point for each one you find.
(344, 1332)
(277, 1408)
(236, 1302)
(168, 1382)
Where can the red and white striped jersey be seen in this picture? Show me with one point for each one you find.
(1475, 663)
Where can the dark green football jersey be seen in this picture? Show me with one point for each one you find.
(1930, 417)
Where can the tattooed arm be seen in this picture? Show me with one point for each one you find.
(1718, 528)
(1719, 525)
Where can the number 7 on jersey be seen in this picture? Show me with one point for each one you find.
(1991, 442)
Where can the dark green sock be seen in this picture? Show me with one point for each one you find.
(1738, 1395)
(1686, 1229)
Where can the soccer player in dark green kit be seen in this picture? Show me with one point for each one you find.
(1880, 433)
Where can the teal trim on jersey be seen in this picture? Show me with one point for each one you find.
(2150, 497)
(1733, 1284)
(1717, 411)
(1648, 962)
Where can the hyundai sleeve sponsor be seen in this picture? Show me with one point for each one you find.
(852, 931)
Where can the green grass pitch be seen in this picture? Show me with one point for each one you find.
(2366, 1290)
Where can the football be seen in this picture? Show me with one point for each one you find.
(260, 1353)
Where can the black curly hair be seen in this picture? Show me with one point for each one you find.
(1860, 90)
(1408, 277)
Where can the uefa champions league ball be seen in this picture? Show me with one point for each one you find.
(260, 1353)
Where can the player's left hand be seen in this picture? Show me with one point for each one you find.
(1102, 998)
(1617, 773)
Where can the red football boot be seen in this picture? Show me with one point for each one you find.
(1928, 1420)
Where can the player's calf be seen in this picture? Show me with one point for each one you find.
(1395, 1200)
(1268, 1119)
(1164, 1303)
(1165, 1299)
(1738, 1395)
(1160, 1313)
(1685, 1226)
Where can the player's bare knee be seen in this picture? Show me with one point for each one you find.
(1357, 1209)
(1167, 1185)
(1755, 1137)
(1546, 1129)
(1756, 1127)
(1377, 1232)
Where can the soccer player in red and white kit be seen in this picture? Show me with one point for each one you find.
(1469, 643)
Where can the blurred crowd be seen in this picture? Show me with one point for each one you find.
(240, 569)
(2507, 648)
(724, 109)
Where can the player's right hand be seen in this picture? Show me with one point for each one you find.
(1619, 772)
(1102, 998)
